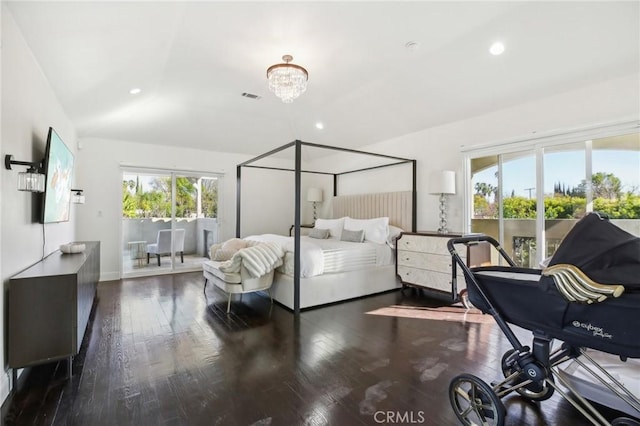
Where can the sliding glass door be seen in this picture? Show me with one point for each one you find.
(565, 172)
(529, 199)
(169, 221)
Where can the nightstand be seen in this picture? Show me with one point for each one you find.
(304, 229)
(423, 261)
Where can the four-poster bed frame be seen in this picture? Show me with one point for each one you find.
(298, 145)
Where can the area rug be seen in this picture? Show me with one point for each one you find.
(443, 313)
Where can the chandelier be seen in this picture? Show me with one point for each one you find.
(287, 81)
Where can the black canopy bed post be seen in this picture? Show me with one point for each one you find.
(414, 199)
(238, 198)
(296, 237)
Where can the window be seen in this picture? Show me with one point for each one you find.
(562, 179)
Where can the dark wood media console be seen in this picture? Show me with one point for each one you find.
(49, 307)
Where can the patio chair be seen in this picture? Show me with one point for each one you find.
(163, 244)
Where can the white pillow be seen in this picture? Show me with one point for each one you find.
(375, 230)
(333, 225)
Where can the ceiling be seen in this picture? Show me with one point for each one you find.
(194, 60)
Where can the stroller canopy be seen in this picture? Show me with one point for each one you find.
(604, 252)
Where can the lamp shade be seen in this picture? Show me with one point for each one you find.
(31, 181)
(442, 182)
(314, 194)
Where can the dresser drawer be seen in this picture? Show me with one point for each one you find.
(429, 279)
(430, 261)
(423, 243)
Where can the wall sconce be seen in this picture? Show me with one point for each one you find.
(31, 180)
(77, 197)
(443, 182)
(314, 195)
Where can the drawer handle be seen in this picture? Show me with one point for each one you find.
(406, 258)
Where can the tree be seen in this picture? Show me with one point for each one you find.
(209, 196)
(606, 185)
(484, 189)
(129, 202)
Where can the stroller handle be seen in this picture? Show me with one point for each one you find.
(474, 239)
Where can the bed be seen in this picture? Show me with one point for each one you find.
(332, 270)
(291, 287)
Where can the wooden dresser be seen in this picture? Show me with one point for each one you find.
(423, 261)
(49, 307)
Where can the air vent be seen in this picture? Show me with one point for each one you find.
(250, 95)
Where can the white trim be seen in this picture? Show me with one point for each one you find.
(541, 245)
(498, 199)
(556, 137)
(147, 169)
(588, 170)
(468, 195)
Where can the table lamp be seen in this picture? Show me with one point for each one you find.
(443, 182)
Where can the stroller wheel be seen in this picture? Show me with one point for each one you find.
(624, 421)
(533, 391)
(474, 402)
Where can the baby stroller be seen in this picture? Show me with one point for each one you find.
(588, 297)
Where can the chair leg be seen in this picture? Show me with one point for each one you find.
(158, 256)
(229, 303)
(147, 258)
(204, 290)
(270, 295)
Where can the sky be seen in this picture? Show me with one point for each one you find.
(565, 167)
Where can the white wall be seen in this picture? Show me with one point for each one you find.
(28, 108)
(438, 148)
(100, 176)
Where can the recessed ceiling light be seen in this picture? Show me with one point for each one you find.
(319, 126)
(135, 90)
(496, 48)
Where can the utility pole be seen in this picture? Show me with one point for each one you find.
(530, 189)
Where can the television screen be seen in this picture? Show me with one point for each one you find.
(58, 168)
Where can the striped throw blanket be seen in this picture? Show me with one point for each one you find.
(259, 259)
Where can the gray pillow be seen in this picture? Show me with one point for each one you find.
(319, 233)
(352, 236)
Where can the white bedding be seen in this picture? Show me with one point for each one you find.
(319, 257)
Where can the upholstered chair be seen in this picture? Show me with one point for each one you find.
(163, 244)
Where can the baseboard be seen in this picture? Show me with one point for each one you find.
(6, 404)
(109, 276)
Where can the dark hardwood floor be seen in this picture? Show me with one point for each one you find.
(158, 351)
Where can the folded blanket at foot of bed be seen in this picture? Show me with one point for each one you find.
(259, 259)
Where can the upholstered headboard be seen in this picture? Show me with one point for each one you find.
(397, 206)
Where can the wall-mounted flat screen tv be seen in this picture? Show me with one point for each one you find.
(58, 168)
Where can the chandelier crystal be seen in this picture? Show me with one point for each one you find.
(287, 81)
